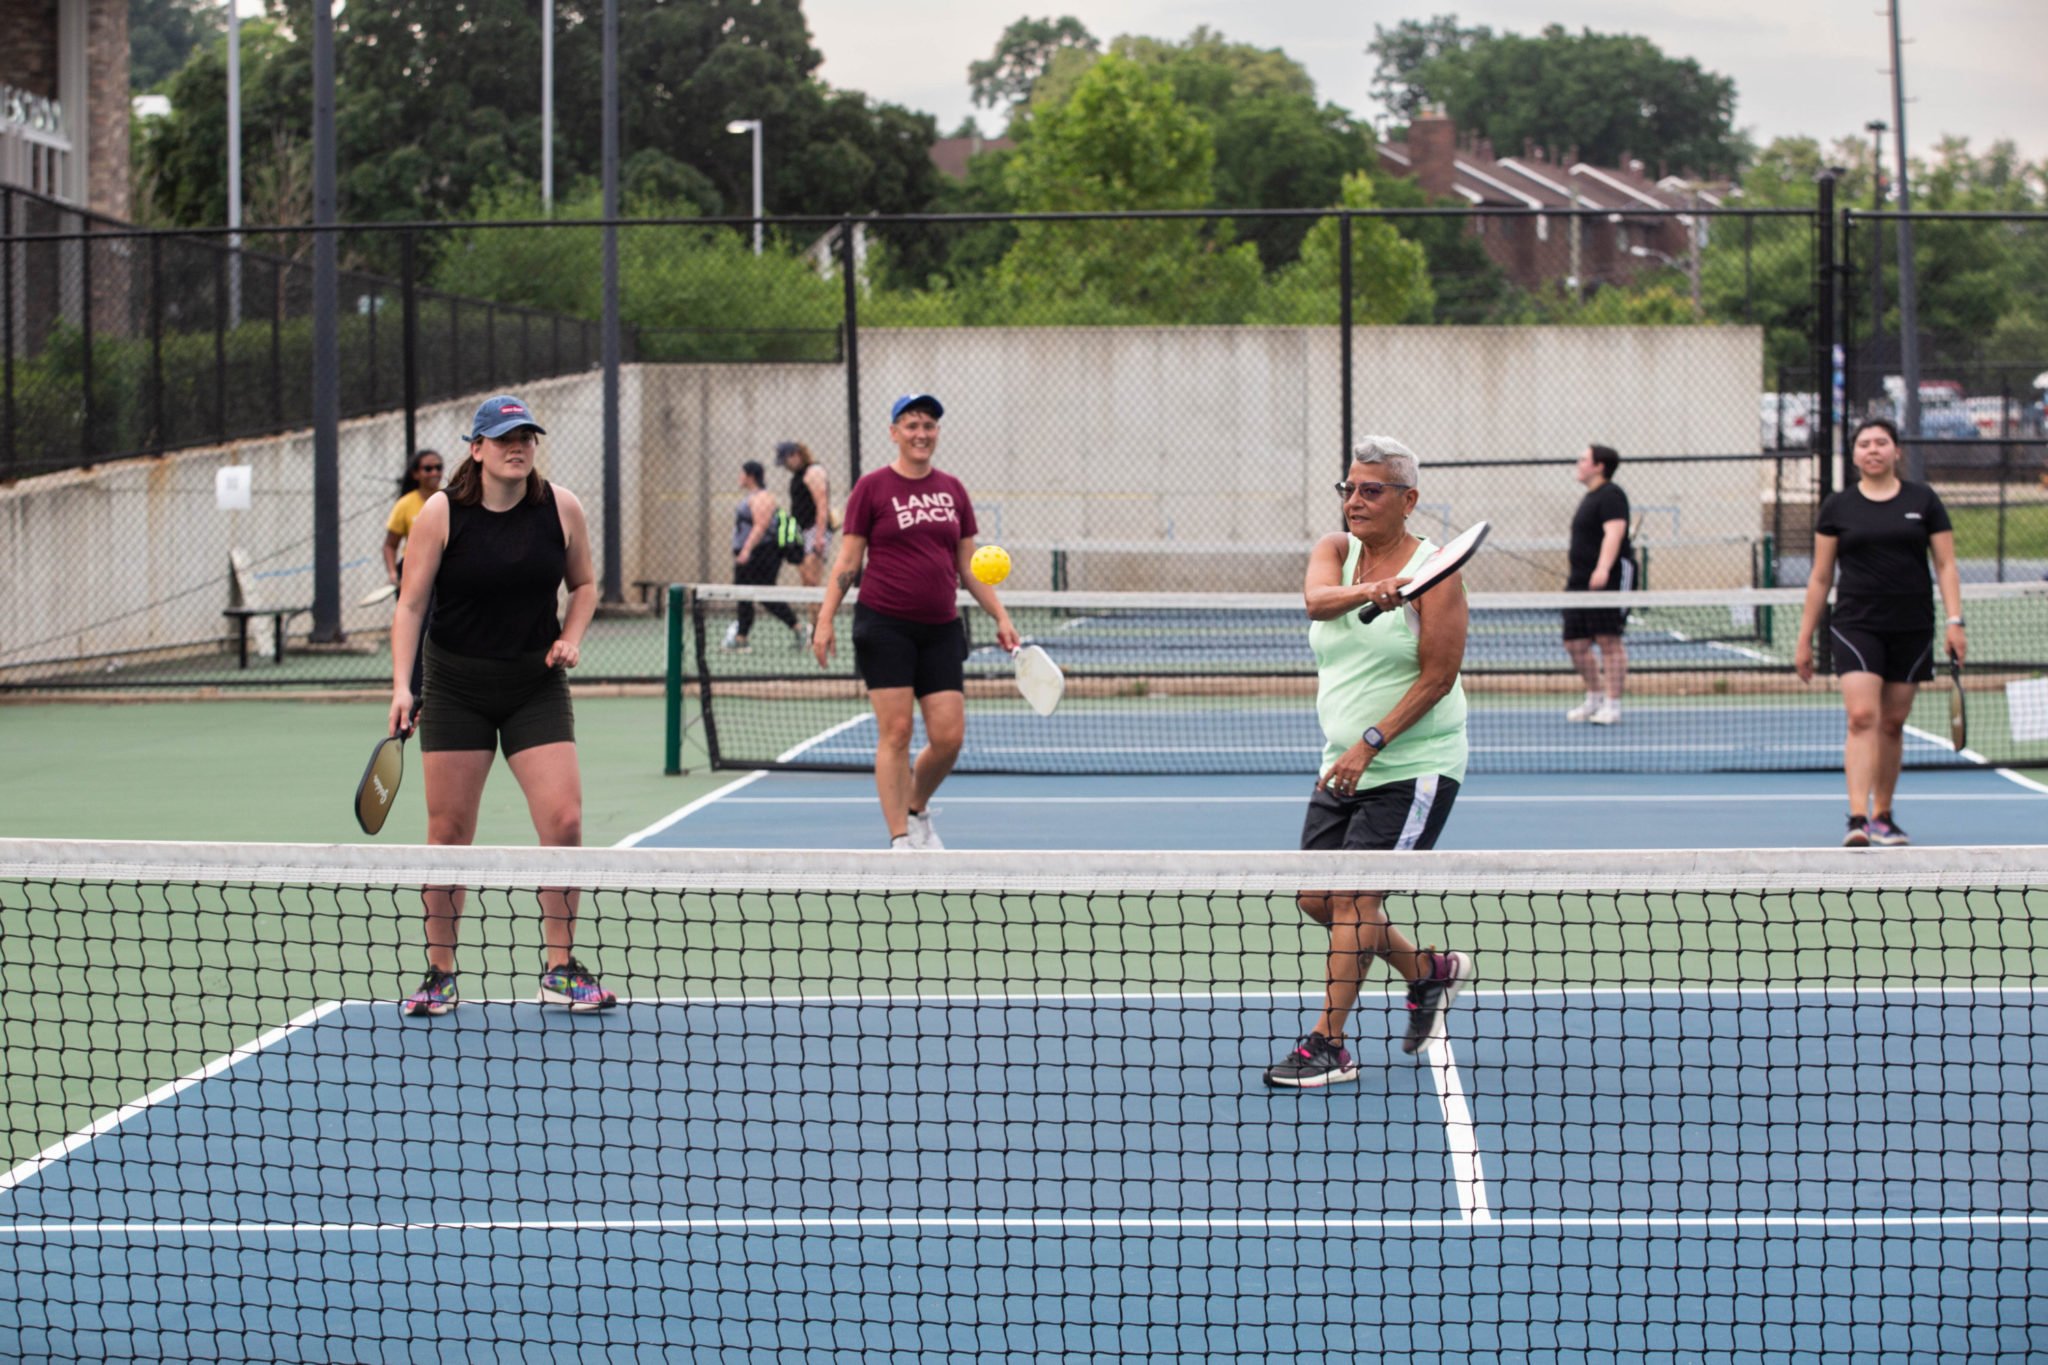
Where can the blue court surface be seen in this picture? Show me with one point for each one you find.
(1586, 1175)
(1500, 811)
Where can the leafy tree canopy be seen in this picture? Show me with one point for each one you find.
(163, 34)
(1611, 97)
(1022, 55)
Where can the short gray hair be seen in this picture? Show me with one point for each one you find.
(1398, 458)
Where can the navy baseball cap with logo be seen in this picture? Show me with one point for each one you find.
(500, 415)
(915, 400)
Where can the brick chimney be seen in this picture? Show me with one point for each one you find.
(1433, 148)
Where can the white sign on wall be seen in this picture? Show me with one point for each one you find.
(231, 488)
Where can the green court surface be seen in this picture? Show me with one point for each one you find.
(285, 771)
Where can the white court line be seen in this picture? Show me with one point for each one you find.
(1464, 798)
(2007, 773)
(673, 817)
(1468, 1176)
(1138, 1224)
(1154, 998)
(109, 1122)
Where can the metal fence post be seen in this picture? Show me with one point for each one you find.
(220, 343)
(852, 325)
(85, 444)
(156, 345)
(1825, 336)
(409, 341)
(1344, 332)
(8, 453)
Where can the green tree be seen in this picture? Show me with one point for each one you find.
(1403, 50)
(181, 160)
(1122, 141)
(163, 34)
(1608, 97)
(1389, 274)
(1027, 47)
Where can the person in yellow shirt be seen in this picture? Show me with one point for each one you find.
(421, 481)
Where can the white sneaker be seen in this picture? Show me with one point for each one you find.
(899, 843)
(1608, 714)
(1586, 709)
(922, 835)
(732, 637)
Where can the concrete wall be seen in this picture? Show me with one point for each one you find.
(133, 555)
(1154, 458)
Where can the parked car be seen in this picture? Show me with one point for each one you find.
(1784, 420)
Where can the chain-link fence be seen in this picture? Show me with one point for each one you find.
(1135, 402)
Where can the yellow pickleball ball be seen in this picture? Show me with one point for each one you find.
(991, 564)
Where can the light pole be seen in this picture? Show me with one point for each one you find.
(1877, 128)
(752, 125)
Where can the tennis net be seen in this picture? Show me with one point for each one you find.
(1708, 1106)
(1222, 683)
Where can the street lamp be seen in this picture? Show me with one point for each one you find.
(752, 125)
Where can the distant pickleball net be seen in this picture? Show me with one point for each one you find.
(1217, 683)
(1709, 1106)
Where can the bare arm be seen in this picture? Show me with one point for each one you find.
(985, 594)
(845, 570)
(578, 577)
(1324, 591)
(408, 619)
(1611, 533)
(1817, 585)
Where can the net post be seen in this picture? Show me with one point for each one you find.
(704, 709)
(672, 694)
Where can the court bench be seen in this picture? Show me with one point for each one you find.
(279, 617)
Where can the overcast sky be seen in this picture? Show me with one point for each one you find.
(1815, 67)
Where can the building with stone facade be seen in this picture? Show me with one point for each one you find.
(64, 101)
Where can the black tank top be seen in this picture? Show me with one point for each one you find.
(803, 508)
(494, 597)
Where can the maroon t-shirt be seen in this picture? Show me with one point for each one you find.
(914, 528)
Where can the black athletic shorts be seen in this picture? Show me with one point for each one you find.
(1904, 656)
(1399, 815)
(925, 656)
(1589, 623)
(483, 703)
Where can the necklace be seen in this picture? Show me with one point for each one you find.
(1366, 560)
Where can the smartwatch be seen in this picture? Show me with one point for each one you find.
(1374, 740)
(1955, 620)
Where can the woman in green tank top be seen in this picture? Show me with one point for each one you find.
(1393, 718)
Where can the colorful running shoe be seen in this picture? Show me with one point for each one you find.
(1883, 830)
(1859, 833)
(572, 984)
(1433, 994)
(435, 996)
(1318, 1061)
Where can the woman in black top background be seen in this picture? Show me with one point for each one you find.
(495, 548)
(1880, 533)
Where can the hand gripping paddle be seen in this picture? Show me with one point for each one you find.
(1437, 567)
(1958, 719)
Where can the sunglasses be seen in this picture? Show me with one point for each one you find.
(1372, 491)
(430, 469)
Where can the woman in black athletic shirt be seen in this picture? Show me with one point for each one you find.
(495, 548)
(1880, 533)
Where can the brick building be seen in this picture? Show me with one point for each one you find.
(1634, 231)
(64, 101)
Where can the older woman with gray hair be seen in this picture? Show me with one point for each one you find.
(1393, 717)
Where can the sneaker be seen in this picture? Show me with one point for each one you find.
(1431, 996)
(1609, 713)
(1586, 709)
(732, 636)
(1318, 1061)
(922, 835)
(1859, 833)
(572, 984)
(1884, 832)
(435, 996)
(899, 843)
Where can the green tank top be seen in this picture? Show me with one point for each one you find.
(1363, 670)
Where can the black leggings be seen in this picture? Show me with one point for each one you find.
(760, 571)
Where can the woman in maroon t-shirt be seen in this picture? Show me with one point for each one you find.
(915, 528)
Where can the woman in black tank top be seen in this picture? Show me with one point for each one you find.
(494, 549)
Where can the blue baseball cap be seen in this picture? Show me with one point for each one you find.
(915, 400)
(496, 416)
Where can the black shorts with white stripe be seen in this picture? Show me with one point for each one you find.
(1398, 815)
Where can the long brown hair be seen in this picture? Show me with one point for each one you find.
(466, 485)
